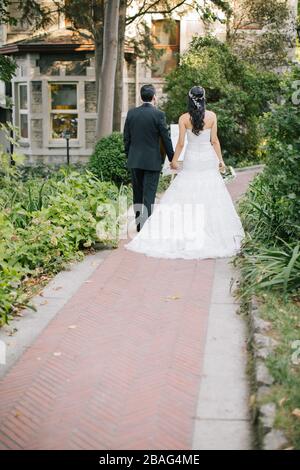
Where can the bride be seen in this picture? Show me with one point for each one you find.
(195, 218)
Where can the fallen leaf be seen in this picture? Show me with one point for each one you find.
(296, 412)
(44, 302)
(172, 297)
(282, 401)
(17, 414)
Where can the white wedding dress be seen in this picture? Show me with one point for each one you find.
(195, 218)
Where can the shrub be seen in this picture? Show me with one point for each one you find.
(238, 93)
(270, 260)
(39, 235)
(108, 162)
(271, 209)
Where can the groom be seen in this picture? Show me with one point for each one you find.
(144, 127)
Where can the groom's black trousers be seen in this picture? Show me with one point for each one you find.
(144, 184)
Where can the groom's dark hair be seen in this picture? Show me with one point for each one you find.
(147, 93)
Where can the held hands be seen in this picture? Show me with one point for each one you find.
(222, 167)
(174, 165)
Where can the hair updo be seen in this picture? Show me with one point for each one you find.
(196, 108)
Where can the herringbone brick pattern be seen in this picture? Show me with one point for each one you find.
(119, 367)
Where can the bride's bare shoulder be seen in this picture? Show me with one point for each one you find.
(210, 114)
(184, 118)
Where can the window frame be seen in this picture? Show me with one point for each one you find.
(62, 111)
(23, 111)
(167, 47)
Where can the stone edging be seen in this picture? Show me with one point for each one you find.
(262, 345)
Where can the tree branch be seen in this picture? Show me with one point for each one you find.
(149, 11)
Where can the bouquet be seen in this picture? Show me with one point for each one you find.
(229, 174)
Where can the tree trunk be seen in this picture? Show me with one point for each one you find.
(104, 123)
(98, 66)
(118, 101)
(98, 17)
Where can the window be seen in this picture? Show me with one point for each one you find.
(64, 114)
(166, 38)
(23, 110)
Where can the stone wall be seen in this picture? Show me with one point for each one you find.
(90, 97)
(90, 133)
(36, 96)
(36, 133)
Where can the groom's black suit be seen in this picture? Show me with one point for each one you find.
(144, 126)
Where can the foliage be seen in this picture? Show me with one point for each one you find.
(46, 171)
(7, 68)
(235, 90)
(269, 46)
(271, 209)
(30, 10)
(108, 161)
(164, 183)
(44, 224)
(37, 14)
(265, 268)
(270, 259)
(7, 64)
(8, 159)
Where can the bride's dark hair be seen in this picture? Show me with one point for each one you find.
(196, 108)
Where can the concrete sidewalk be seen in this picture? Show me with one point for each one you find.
(135, 359)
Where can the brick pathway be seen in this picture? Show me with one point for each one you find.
(119, 367)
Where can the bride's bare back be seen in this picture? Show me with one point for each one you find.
(210, 122)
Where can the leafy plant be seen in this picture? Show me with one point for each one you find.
(108, 162)
(270, 269)
(46, 223)
(237, 91)
(270, 210)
